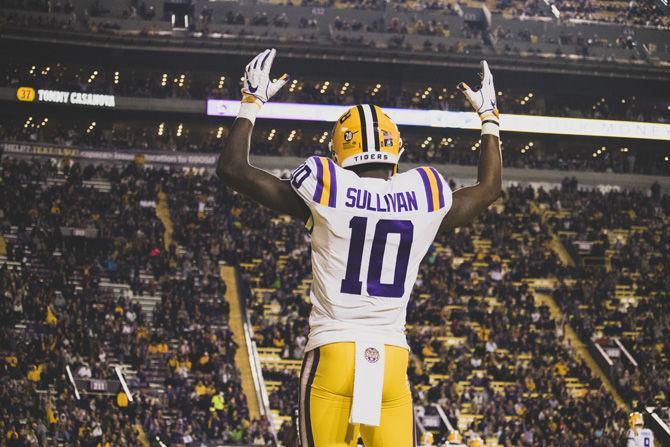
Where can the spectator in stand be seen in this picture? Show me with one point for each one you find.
(68, 317)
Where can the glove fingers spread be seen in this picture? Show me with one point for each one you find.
(267, 60)
(486, 73)
(254, 61)
(275, 86)
(483, 101)
(257, 77)
(469, 94)
(283, 79)
(463, 87)
(258, 58)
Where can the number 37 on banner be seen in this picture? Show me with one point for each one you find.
(25, 94)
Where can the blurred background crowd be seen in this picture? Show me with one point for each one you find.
(543, 323)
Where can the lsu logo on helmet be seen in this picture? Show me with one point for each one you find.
(365, 134)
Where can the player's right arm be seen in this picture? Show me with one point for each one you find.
(233, 165)
(471, 201)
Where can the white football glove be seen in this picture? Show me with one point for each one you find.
(257, 82)
(483, 101)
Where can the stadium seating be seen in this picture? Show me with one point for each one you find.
(501, 368)
(621, 288)
(118, 298)
(500, 360)
(441, 95)
(429, 27)
(424, 145)
(111, 275)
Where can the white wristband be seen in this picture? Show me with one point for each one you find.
(491, 129)
(249, 110)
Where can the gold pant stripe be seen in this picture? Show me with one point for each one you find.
(309, 367)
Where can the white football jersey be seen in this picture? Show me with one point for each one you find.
(368, 239)
(643, 438)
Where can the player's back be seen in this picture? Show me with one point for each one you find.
(640, 437)
(368, 239)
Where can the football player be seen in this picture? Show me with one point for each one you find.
(370, 228)
(637, 435)
(454, 439)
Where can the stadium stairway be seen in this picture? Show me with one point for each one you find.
(555, 244)
(570, 335)
(229, 277)
(142, 436)
(163, 214)
(579, 348)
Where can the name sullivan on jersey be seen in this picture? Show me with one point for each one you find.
(395, 202)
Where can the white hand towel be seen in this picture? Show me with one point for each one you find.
(366, 407)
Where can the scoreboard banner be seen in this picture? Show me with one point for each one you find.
(458, 120)
(29, 94)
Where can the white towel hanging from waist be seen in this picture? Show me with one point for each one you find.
(366, 407)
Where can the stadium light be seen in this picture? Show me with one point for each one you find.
(458, 120)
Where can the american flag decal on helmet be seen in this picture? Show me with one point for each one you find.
(388, 139)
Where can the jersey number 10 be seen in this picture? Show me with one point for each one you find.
(352, 283)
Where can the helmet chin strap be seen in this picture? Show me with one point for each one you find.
(400, 152)
(333, 155)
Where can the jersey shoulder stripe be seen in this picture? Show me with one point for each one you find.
(315, 181)
(434, 187)
(325, 192)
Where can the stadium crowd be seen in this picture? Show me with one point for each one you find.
(511, 374)
(509, 369)
(433, 96)
(637, 12)
(425, 146)
(623, 290)
(60, 308)
(430, 34)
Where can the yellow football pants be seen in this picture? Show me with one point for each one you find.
(326, 389)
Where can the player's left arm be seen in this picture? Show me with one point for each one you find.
(470, 201)
(233, 165)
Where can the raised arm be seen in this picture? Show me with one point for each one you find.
(233, 166)
(470, 201)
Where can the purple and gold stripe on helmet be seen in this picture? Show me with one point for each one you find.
(375, 126)
(364, 128)
(433, 186)
(326, 182)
